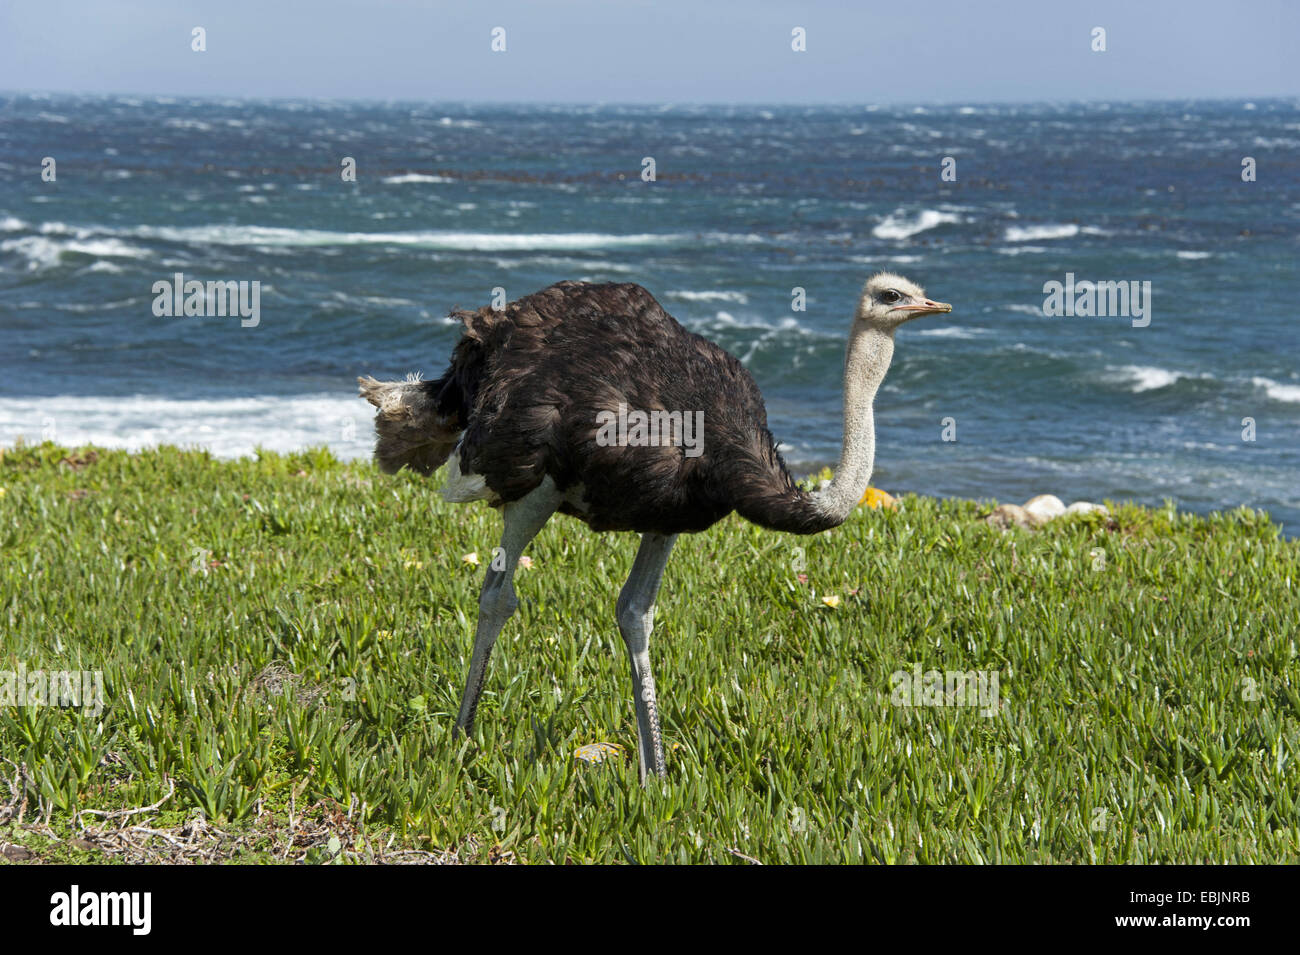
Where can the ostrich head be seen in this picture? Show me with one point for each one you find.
(889, 300)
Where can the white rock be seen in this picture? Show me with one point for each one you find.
(1044, 507)
(1083, 507)
(1005, 516)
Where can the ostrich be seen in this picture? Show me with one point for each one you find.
(521, 418)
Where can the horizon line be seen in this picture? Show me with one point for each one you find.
(1294, 98)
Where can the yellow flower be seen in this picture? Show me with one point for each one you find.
(597, 752)
(2, 492)
(875, 498)
(416, 564)
(524, 562)
(382, 634)
(831, 601)
(470, 558)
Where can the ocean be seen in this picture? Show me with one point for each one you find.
(1196, 401)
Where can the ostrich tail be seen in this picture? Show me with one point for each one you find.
(410, 431)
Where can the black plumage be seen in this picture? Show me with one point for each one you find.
(526, 385)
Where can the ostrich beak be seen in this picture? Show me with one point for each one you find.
(925, 308)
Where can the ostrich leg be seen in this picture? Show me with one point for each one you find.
(636, 614)
(523, 519)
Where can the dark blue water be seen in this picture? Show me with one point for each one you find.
(452, 201)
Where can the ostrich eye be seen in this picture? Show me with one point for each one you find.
(889, 296)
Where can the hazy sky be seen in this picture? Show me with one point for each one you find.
(656, 51)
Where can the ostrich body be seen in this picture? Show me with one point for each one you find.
(518, 418)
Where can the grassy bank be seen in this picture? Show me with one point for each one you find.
(282, 643)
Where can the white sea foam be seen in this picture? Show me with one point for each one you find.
(383, 301)
(875, 260)
(255, 235)
(43, 253)
(85, 308)
(566, 262)
(181, 123)
(1145, 377)
(739, 298)
(62, 228)
(771, 330)
(951, 331)
(414, 177)
(1193, 256)
(452, 240)
(898, 226)
(12, 224)
(1278, 391)
(231, 427)
(1032, 233)
(727, 320)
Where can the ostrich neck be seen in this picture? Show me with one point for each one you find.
(865, 363)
